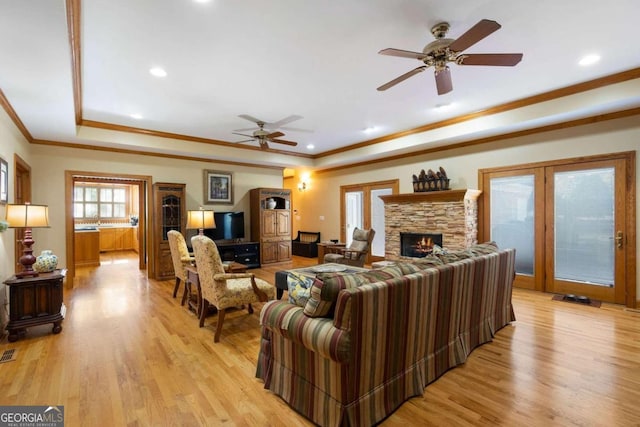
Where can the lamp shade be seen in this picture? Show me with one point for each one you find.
(200, 219)
(27, 216)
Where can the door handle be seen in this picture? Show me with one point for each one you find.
(619, 239)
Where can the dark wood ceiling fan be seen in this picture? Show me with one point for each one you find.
(442, 51)
(264, 136)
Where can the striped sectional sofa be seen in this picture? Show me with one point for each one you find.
(386, 334)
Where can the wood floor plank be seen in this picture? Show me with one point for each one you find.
(130, 354)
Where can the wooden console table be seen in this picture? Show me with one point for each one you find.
(35, 301)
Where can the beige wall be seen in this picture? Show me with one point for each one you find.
(462, 165)
(50, 163)
(11, 142)
(321, 200)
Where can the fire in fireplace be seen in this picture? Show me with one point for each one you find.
(418, 245)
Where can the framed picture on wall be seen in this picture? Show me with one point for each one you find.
(218, 187)
(4, 181)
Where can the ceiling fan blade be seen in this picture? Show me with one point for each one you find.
(250, 118)
(476, 33)
(275, 135)
(242, 134)
(276, 125)
(402, 53)
(443, 81)
(244, 129)
(403, 77)
(296, 129)
(499, 59)
(282, 141)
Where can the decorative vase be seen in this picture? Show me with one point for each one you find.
(271, 204)
(46, 262)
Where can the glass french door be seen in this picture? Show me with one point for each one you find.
(515, 221)
(354, 213)
(363, 208)
(585, 231)
(568, 222)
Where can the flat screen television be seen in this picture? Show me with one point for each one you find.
(229, 226)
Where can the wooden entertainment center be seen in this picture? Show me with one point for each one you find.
(271, 223)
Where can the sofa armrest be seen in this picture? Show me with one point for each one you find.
(314, 333)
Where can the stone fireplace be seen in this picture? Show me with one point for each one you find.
(453, 214)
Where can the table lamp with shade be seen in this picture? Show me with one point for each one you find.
(27, 216)
(200, 220)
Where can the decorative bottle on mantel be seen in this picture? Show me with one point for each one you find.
(271, 204)
(46, 262)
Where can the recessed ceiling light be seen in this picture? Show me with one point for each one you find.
(310, 146)
(589, 60)
(202, 1)
(136, 116)
(158, 72)
(370, 129)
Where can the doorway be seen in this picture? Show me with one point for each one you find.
(572, 223)
(22, 194)
(141, 185)
(361, 206)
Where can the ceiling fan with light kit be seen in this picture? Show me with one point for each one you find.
(442, 51)
(263, 134)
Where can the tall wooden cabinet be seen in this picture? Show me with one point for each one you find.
(169, 213)
(271, 223)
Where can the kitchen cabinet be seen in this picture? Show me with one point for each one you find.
(86, 248)
(116, 238)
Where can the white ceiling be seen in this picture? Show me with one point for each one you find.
(315, 59)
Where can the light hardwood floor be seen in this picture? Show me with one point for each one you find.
(129, 354)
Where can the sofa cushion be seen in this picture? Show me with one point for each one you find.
(406, 268)
(427, 262)
(298, 286)
(326, 286)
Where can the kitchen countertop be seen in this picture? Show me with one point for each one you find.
(98, 227)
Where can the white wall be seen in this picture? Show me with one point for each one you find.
(461, 165)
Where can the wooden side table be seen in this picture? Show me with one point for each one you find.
(35, 301)
(325, 248)
(193, 281)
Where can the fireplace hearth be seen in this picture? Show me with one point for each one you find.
(419, 245)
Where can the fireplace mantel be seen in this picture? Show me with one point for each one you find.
(433, 196)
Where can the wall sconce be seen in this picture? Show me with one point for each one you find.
(200, 220)
(27, 216)
(302, 186)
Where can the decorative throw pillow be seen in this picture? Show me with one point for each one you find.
(454, 256)
(298, 286)
(325, 289)
(484, 248)
(437, 250)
